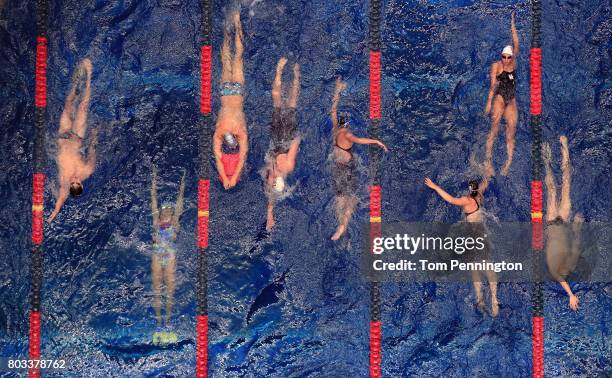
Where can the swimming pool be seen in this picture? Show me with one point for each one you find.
(294, 303)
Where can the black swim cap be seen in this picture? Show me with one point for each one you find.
(473, 185)
(76, 189)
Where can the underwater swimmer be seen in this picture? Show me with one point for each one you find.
(73, 169)
(471, 205)
(343, 165)
(561, 254)
(503, 102)
(281, 157)
(163, 261)
(231, 122)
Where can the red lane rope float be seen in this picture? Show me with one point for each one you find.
(38, 189)
(202, 346)
(206, 80)
(375, 74)
(203, 190)
(538, 346)
(40, 92)
(375, 348)
(535, 83)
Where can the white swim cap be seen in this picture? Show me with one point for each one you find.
(507, 50)
(230, 140)
(279, 184)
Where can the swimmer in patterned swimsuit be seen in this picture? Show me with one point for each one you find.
(343, 168)
(73, 169)
(231, 122)
(503, 102)
(163, 262)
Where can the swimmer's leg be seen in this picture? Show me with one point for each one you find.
(344, 210)
(226, 59)
(478, 290)
(80, 120)
(551, 187)
(511, 117)
(170, 280)
(565, 206)
(496, 115)
(295, 87)
(492, 277)
(65, 118)
(277, 84)
(156, 273)
(237, 65)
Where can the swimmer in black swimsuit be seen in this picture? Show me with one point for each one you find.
(471, 206)
(343, 169)
(502, 99)
(562, 240)
(285, 141)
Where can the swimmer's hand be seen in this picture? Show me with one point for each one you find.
(269, 224)
(430, 184)
(381, 145)
(573, 302)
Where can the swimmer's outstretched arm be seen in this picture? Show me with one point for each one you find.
(462, 201)
(154, 208)
(358, 140)
(217, 142)
(293, 151)
(340, 86)
(573, 300)
(61, 198)
(515, 38)
(270, 214)
(180, 200)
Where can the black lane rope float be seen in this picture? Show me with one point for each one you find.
(204, 146)
(375, 190)
(38, 181)
(537, 242)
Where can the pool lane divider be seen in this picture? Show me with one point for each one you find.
(375, 189)
(38, 183)
(204, 150)
(537, 239)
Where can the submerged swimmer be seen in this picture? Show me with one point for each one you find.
(561, 254)
(163, 261)
(343, 166)
(285, 141)
(502, 99)
(73, 168)
(471, 205)
(230, 131)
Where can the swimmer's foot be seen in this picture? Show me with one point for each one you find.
(339, 232)
(546, 152)
(480, 305)
(494, 307)
(280, 66)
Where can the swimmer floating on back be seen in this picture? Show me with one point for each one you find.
(73, 168)
(163, 262)
(561, 254)
(231, 133)
(343, 166)
(280, 159)
(472, 208)
(502, 99)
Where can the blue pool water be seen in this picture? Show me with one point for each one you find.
(294, 303)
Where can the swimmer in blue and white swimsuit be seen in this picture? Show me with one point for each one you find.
(231, 122)
(163, 258)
